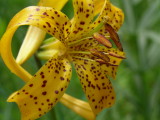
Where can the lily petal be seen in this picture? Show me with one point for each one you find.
(41, 17)
(118, 18)
(115, 56)
(95, 84)
(83, 16)
(80, 107)
(31, 43)
(98, 6)
(57, 4)
(48, 19)
(35, 36)
(110, 14)
(44, 90)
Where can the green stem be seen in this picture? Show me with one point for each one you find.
(53, 114)
(38, 62)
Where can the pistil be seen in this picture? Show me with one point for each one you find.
(79, 52)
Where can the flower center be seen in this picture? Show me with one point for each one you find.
(50, 47)
(80, 50)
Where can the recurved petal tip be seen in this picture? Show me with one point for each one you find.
(57, 4)
(11, 97)
(78, 106)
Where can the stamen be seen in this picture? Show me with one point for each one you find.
(100, 61)
(101, 39)
(83, 58)
(103, 62)
(100, 55)
(78, 41)
(116, 55)
(96, 29)
(114, 36)
(79, 52)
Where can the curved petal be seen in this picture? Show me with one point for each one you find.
(83, 16)
(95, 84)
(111, 69)
(8, 58)
(38, 16)
(48, 19)
(115, 56)
(110, 14)
(98, 4)
(44, 90)
(35, 36)
(57, 4)
(114, 17)
(118, 18)
(80, 107)
(31, 43)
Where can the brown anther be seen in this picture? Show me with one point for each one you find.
(116, 55)
(103, 62)
(100, 55)
(100, 61)
(114, 36)
(111, 64)
(103, 40)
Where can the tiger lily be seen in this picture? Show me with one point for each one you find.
(80, 41)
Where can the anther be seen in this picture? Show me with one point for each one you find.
(100, 61)
(116, 55)
(103, 40)
(100, 55)
(104, 62)
(114, 36)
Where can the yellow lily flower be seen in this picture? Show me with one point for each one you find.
(79, 41)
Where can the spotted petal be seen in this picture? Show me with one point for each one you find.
(44, 90)
(35, 36)
(57, 4)
(83, 16)
(48, 19)
(115, 56)
(98, 6)
(118, 18)
(110, 14)
(95, 84)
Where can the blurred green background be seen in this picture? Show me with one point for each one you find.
(138, 80)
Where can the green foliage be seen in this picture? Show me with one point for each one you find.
(138, 79)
